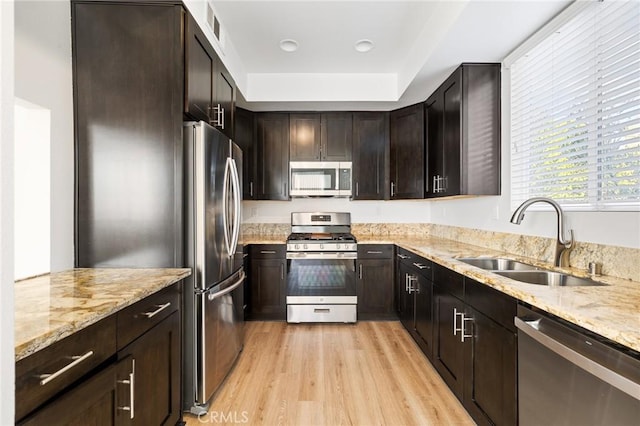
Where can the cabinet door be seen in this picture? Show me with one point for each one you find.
(406, 298)
(268, 289)
(423, 314)
(244, 132)
(374, 289)
(370, 142)
(128, 79)
(447, 345)
(305, 137)
(451, 128)
(273, 156)
(435, 143)
(200, 62)
(94, 401)
(224, 99)
(490, 388)
(336, 134)
(155, 368)
(407, 152)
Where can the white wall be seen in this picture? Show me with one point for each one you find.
(43, 76)
(7, 358)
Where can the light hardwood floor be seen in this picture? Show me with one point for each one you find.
(370, 373)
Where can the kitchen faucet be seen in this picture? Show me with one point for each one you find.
(563, 247)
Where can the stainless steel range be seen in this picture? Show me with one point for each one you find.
(321, 266)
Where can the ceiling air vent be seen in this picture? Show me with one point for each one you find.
(214, 25)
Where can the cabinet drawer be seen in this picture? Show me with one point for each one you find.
(45, 373)
(375, 251)
(268, 251)
(141, 316)
(448, 280)
(496, 305)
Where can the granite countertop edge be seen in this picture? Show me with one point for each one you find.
(53, 306)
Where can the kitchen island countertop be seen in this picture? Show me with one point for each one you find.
(52, 306)
(612, 310)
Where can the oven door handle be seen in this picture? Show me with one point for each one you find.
(322, 255)
(534, 329)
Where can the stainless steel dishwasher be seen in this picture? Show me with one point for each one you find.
(570, 377)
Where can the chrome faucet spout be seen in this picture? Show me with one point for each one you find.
(563, 245)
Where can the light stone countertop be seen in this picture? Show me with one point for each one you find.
(612, 311)
(53, 306)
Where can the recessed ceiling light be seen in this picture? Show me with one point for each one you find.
(363, 45)
(288, 45)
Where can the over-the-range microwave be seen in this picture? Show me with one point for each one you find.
(320, 178)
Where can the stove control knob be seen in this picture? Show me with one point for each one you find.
(321, 246)
(297, 246)
(304, 246)
(337, 246)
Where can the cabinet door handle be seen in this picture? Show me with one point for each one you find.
(392, 189)
(360, 271)
(282, 272)
(455, 321)
(157, 311)
(268, 251)
(251, 189)
(410, 287)
(357, 189)
(463, 329)
(77, 359)
(132, 397)
(421, 266)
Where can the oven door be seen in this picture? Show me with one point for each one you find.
(321, 278)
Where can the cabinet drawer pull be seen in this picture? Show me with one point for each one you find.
(77, 359)
(267, 251)
(373, 252)
(402, 256)
(421, 266)
(157, 311)
(131, 382)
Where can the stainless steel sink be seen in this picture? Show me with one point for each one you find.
(497, 264)
(554, 279)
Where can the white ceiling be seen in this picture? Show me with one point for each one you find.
(417, 44)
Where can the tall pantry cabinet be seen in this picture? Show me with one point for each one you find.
(140, 69)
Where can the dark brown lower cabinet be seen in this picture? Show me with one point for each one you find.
(268, 282)
(93, 402)
(490, 372)
(154, 363)
(475, 347)
(374, 284)
(128, 372)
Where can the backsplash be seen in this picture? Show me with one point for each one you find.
(622, 262)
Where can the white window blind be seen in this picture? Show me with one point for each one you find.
(575, 112)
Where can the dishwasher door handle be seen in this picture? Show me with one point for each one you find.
(532, 329)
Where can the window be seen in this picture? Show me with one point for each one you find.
(575, 111)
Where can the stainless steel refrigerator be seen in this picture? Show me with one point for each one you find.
(213, 314)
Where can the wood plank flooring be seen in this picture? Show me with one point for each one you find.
(370, 373)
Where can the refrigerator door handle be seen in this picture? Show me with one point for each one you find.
(237, 206)
(213, 296)
(225, 207)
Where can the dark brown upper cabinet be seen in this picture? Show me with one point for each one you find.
(463, 133)
(305, 137)
(407, 152)
(209, 88)
(370, 147)
(321, 136)
(272, 150)
(245, 138)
